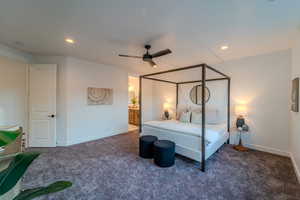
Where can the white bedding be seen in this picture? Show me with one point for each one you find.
(213, 132)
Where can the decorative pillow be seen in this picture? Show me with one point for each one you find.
(185, 117)
(196, 117)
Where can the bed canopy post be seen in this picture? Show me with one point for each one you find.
(140, 104)
(228, 108)
(203, 97)
(176, 98)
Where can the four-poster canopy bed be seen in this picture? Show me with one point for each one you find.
(199, 156)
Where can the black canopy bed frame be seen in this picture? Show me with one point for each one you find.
(204, 67)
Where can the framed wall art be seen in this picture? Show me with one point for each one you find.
(295, 95)
(99, 96)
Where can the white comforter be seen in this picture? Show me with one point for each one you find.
(213, 132)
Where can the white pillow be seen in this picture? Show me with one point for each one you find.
(185, 117)
(196, 117)
(213, 116)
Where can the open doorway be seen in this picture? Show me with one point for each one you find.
(133, 104)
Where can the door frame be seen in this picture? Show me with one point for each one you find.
(26, 129)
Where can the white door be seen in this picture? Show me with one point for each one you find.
(42, 105)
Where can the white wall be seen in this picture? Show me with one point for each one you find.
(262, 82)
(85, 122)
(217, 100)
(13, 99)
(295, 117)
(164, 97)
(12, 93)
(76, 121)
(147, 102)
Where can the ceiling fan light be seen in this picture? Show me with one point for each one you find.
(148, 57)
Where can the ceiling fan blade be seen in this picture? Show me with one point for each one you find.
(161, 53)
(152, 63)
(128, 56)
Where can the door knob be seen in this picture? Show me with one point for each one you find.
(52, 116)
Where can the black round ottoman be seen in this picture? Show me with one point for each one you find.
(146, 146)
(164, 153)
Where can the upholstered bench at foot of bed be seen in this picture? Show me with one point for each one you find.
(164, 153)
(146, 146)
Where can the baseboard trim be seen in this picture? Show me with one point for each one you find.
(61, 143)
(296, 168)
(268, 149)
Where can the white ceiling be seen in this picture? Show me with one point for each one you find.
(194, 29)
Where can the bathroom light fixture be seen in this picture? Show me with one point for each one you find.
(69, 40)
(130, 88)
(225, 47)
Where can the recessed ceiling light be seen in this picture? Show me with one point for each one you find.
(69, 40)
(225, 47)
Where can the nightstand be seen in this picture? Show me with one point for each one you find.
(240, 146)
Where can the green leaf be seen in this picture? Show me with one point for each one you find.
(32, 193)
(16, 169)
(7, 137)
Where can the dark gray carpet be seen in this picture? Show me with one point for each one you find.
(111, 169)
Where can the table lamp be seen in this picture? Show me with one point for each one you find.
(241, 112)
(167, 107)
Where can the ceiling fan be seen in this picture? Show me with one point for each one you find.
(148, 57)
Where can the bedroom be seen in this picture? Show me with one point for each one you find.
(247, 41)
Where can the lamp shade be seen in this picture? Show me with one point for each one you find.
(241, 110)
(130, 88)
(166, 106)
